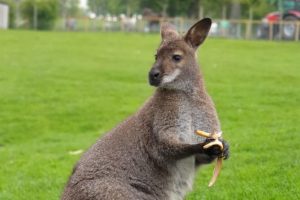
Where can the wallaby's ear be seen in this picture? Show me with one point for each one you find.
(168, 31)
(198, 32)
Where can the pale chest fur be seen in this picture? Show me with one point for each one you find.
(183, 171)
(190, 117)
(195, 115)
(205, 118)
(182, 178)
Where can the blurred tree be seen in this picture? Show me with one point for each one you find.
(98, 6)
(63, 9)
(132, 6)
(17, 13)
(256, 9)
(103, 7)
(158, 6)
(73, 8)
(183, 8)
(115, 7)
(235, 9)
(225, 5)
(262, 9)
(68, 9)
(251, 4)
(187, 8)
(215, 9)
(40, 14)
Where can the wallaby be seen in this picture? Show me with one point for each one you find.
(153, 155)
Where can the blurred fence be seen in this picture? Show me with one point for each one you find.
(235, 29)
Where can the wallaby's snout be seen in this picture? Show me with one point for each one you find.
(155, 76)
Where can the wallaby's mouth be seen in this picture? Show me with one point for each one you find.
(154, 77)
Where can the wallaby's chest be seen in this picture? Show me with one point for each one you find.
(192, 116)
(184, 120)
(187, 116)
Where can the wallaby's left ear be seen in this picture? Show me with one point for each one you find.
(168, 31)
(198, 32)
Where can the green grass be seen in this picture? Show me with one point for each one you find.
(60, 91)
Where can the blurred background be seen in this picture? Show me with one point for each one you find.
(71, 70)
(241, 19)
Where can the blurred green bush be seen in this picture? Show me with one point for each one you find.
(40, 14)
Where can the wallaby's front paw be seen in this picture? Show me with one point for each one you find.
(216, 151)
(226, 151)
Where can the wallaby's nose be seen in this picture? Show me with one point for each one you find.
(155, 74)
(154, 77)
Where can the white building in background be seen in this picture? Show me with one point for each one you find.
(4, 16)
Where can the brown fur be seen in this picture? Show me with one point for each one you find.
(154, 153)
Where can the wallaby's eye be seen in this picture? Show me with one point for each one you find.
(155, 56)
(176, 58)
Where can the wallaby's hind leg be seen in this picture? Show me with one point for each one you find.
(98, 190)
(113, 191)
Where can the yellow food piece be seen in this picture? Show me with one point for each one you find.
(216, 172)
(203, 133)
(216, 141)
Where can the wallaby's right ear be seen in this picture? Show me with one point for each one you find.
(198, 32)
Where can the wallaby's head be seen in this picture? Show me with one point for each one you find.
(175, 64)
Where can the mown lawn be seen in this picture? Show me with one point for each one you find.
(60, 91)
